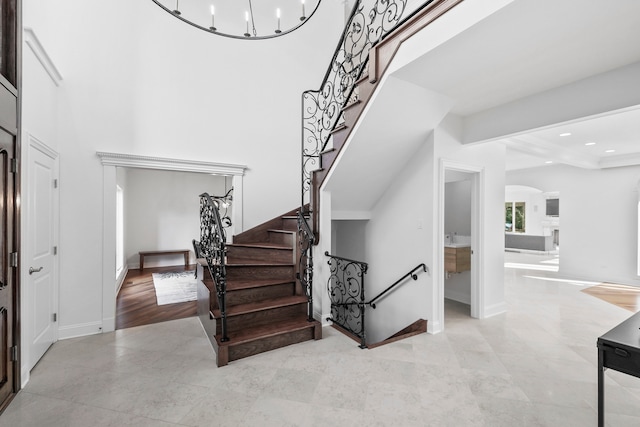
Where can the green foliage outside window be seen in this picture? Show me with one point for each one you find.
(514, 216)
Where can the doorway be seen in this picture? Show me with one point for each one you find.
(460, 228)
(110, 163)
(457, 239)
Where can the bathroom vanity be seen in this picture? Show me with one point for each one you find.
(457, 257)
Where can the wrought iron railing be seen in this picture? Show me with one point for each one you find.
(306, 240)
(411, 274)
(212, 248)
(369, 22)
(347, 294)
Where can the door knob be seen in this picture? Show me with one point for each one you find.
(34, 270)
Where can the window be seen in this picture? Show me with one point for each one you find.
(514, 217)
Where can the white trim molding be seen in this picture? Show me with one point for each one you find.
(41, 146)
(162, 163)
(41, 54)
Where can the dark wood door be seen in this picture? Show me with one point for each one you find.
(9, 194)
(8, 263)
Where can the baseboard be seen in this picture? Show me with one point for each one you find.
(25, 376)
(79, 330)
(323, 318)
(495, 309)
(457, 296)
(434, 327)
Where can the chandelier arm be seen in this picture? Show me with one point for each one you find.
(253, 21)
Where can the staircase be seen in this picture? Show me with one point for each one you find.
(265, 304)
(326, 130)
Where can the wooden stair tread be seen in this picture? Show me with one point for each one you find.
(339, 127)
(268, 304)
(363, 77)
(238, 284)
(259, 264)
(351, 105)
(259, 245)
(265, 331)
(280, 231)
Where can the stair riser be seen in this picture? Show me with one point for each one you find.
(326, 159)
(279, 238)
(249, 272)
(244, 296)
(270, 343)
(290, 224)
(264, 317)
(248, 255)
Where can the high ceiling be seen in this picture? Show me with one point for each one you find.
(533, 46)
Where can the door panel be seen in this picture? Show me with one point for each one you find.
(41, 281)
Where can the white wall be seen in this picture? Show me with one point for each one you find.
(399, 238)
(137, 81)
(163, 213)
(349, 237)
(599, 219)
(535, 208)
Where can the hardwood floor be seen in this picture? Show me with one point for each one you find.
(136, 303)
(627, 297)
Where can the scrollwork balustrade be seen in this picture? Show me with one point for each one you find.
(346, 292)
(213, 249)
(322, 109)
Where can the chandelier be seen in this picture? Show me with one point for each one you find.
(238, 19)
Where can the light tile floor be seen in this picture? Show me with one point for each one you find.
(533, 366)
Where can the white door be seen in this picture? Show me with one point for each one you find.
(42, 278)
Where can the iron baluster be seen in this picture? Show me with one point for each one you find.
(213, 249)
(306, 240)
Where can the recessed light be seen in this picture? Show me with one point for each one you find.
(566, 134)
(548, 162)
(610, 151)
(590, 143)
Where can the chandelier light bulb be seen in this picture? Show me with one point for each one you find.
(278, 31)
(213, 18)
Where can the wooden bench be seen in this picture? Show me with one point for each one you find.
(184, 252)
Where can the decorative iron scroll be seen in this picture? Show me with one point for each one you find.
(346, 292)
(370, 20)
(213, 249)
(306, 240)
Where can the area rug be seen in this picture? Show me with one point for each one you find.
(174, 287)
